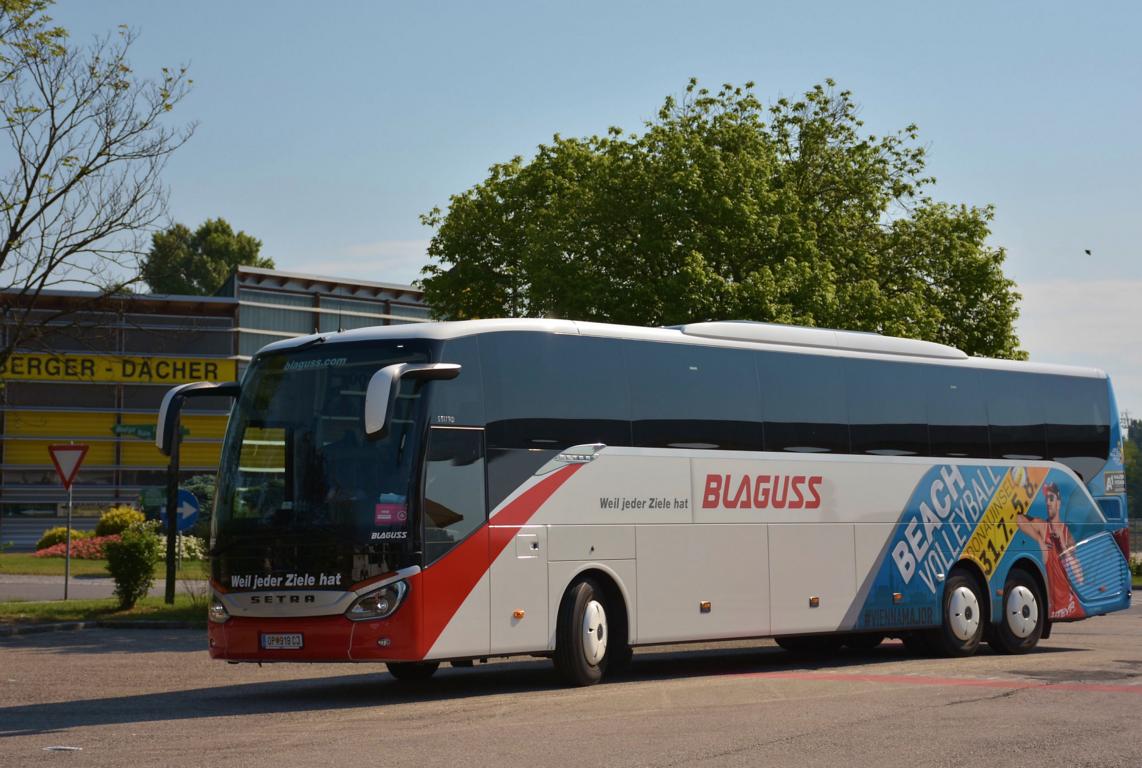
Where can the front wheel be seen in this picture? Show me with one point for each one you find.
(411, 671)
(582, 634)
(1024, 613)
(963, 619)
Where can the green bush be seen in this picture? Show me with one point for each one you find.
(58, 535)
(118, 519)
(132, 560)
(191, 548)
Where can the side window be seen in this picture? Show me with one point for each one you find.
(454, 503)
(1112, 511)
(552, 391)
(460, 400)
(1078, 422)
(687, 396)
(957, 412)
(887, 409)
(1015, 414)
(804, 401)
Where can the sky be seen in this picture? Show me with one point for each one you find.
(326, 129)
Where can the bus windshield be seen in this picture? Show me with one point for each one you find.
(304, 499)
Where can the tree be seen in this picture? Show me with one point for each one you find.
(1132, 461)
(87, 144)
(198, 263)
(723, 208)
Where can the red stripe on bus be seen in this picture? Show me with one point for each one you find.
(448, 582)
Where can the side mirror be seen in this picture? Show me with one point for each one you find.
(167, 427)
(381, 396)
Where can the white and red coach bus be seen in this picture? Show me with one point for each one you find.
(456, 491)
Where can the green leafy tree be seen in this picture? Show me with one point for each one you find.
(1132, 460)
(724, 208)
(198, 262)
(80, 179)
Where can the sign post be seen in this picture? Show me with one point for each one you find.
(172, 516)
(67, 459)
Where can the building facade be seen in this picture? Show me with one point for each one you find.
(99, 373)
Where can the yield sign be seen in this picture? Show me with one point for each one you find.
(67, 459)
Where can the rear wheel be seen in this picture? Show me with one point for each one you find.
(1024, 614)
(411, 671)
(582, 634)
(963, 617)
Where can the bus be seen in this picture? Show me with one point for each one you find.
(433, 492)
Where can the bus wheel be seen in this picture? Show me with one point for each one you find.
(1023, 614)
(582, 634)
(963, 622)
(411, 671)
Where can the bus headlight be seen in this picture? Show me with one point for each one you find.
(378, 604)
(217, 611)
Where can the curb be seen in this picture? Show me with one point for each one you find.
(73, 626)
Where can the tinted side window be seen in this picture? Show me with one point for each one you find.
(887, 409)
(803, 397)
(1078, 422)
(957, 412)
(453, 489)
(460, 400)
(687, 396)
(552, 391)
(1015, 415)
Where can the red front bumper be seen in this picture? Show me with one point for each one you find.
(324, 638)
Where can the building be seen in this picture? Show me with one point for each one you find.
(100, 373)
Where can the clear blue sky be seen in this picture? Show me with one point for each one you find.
(325, 129)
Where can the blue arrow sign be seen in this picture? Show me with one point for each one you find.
(187, 510)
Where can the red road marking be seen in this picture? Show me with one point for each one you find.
(836, 677)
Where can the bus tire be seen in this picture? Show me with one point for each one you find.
(1024, 615)
(412, 671)
(581, 634)
(963, 619)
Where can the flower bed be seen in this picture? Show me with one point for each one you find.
(81, 549)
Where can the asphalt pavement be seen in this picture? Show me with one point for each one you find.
(125, 698)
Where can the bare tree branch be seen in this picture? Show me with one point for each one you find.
(86, 146)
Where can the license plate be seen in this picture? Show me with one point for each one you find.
(282, 641)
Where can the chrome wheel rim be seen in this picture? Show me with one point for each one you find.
(1022, 612)
(963, 613)
(594, 633)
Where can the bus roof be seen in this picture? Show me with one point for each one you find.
(733, 333)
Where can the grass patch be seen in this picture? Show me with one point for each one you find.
(185, 608)
(25, 563)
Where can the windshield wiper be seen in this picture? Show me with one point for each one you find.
(311, 343)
